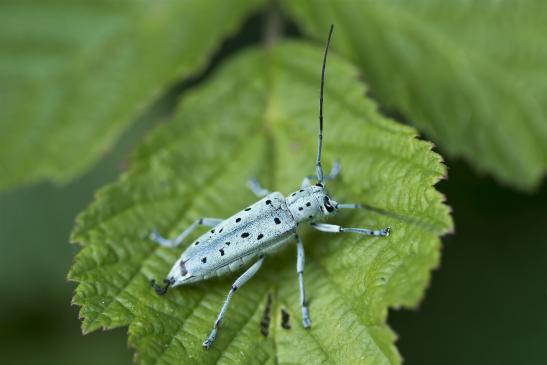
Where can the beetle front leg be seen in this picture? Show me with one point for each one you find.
(334, 172)
(332, 228)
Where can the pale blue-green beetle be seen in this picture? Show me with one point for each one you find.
(259, 230)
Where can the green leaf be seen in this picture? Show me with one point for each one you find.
(467, 73)
(75, 74)
(258, 116)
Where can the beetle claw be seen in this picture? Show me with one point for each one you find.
(159, 290)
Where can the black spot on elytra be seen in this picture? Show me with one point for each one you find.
(222, 229)
(197, 243)
(244, 235)
(204, 260)
(277, 220)
(300, 208)
(260, 236)
(227, 243)
(301, 190)
(308, 204)
(310, 217)
(221, 252)
(238, 220)
(293, 194)
(247, 209)
(268, 202)
(212, 231)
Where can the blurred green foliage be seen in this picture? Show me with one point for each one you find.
(73, 76)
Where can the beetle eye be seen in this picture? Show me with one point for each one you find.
(328, 207)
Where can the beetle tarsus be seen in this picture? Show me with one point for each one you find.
(159, 290)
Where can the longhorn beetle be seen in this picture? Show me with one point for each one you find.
(258, 231)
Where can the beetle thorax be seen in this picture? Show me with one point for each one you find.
(310, 203)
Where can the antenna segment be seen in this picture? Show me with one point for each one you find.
(318, 167)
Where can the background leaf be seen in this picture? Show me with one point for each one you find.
(74, 74)
(258, 116)
(467, 73)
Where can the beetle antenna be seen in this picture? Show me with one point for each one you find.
(318, 167)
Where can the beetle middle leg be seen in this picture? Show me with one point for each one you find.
(156, 237)
(236, 285)
(300, 259)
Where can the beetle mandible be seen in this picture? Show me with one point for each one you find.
(258, 231)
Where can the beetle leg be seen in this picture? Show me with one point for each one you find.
(256, 188)
(156, 237)
(236, 285)
(334, 172)
(331, 228)
(300, 270)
